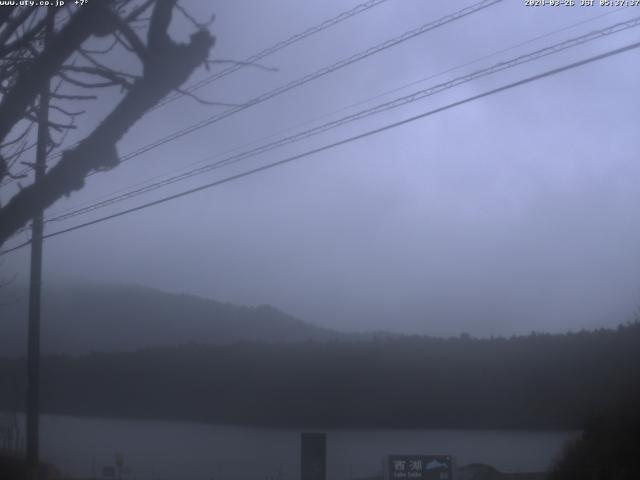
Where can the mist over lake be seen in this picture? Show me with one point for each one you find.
(193, 451)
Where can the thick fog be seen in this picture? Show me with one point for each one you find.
(513, 213)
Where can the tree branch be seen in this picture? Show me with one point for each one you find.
(27, 37)
(167, 66)
(32, 78)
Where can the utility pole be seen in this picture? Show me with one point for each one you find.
(35, 284)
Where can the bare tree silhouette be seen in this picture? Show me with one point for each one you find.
(77, 73)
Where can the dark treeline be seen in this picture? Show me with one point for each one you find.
(536, 381)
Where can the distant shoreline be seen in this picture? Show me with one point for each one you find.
(309, 427)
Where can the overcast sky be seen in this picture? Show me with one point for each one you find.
(514, 213)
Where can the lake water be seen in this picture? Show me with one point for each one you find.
(195, 451)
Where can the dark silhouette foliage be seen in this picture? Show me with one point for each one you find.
(609, 449)
(15, 468)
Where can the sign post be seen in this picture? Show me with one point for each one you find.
(419, 467)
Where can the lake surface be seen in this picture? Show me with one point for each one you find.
(195, 451)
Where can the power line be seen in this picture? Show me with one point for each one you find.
(484, 57)
(398, 102)
(341, 17)
(308, 78)
(319, 73)
(483, 4)
(57, 216)
(277, 47)
(361, 136)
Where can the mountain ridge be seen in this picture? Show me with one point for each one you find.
(80, 319)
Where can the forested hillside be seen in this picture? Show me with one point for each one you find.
(536, 381)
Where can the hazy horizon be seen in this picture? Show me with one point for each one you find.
(506, 215)
(71, 284)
